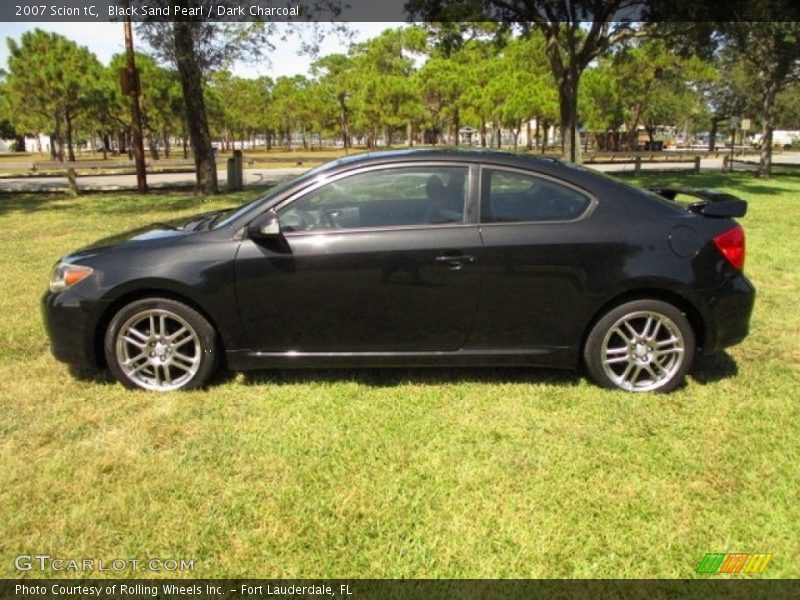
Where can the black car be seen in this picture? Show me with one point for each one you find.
(416, 258)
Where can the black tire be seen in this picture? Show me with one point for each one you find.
(162, 345)
(640, 346)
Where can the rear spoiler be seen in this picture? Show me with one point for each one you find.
(712, 203)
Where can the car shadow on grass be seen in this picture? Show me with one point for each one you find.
(374, 377)
(89, 375)
(390, 377)
(706, 370)
(713, 367)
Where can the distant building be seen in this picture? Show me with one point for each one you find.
(38, 143)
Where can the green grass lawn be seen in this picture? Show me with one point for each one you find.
(400, 473)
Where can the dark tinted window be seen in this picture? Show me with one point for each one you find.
(389, 197)
(509, 196)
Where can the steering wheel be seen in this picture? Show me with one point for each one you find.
(296, 220)
(328, 217)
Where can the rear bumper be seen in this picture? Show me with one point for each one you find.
(71, 323)
(730, 308)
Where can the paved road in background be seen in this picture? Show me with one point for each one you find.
(154, 180)
(256, 177)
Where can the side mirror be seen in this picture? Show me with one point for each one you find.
(266, 226)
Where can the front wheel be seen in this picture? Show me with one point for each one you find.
(640, 346)
(160, 345)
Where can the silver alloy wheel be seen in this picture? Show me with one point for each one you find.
(642, 351)
(158, 350)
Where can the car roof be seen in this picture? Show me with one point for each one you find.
(446, 153)
(591, 180)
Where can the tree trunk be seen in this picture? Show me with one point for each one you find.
(196, 117)
(409, 134)
(121, 142)
(70, 149)
(568, 110)
(59, 139)
(712, 136)
(767, 109)
(151, 143)
(632, 139)
(345, 132)
(344, 124)
(528, 135)
(483, 132)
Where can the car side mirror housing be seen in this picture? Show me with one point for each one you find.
(265, 226)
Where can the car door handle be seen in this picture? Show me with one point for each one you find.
(456, 261)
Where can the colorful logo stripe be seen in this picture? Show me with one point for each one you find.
(733, 562)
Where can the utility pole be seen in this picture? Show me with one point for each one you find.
(132, 79)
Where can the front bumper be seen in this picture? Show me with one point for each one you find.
(72, 324)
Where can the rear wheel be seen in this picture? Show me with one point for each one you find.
(160, 345)
(640, 346)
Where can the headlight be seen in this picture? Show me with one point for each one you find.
(66, 275)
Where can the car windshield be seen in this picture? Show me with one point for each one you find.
(238, 212)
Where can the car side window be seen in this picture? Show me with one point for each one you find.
(391, 197)
(513, 197)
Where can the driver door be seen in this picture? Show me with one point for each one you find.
(380, 260)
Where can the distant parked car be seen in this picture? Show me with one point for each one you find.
(781, 138)
(416, 258)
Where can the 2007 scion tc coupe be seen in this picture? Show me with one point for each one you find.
(416, 258)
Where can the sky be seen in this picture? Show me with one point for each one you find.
(106, 39)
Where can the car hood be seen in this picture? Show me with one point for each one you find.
(156, 233)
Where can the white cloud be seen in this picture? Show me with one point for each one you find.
(106, 39)
(287, 59)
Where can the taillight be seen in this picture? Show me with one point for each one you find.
(731, 244)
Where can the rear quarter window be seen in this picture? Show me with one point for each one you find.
(515, 197)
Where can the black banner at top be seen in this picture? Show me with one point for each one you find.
(201, 10)
(394, 10)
